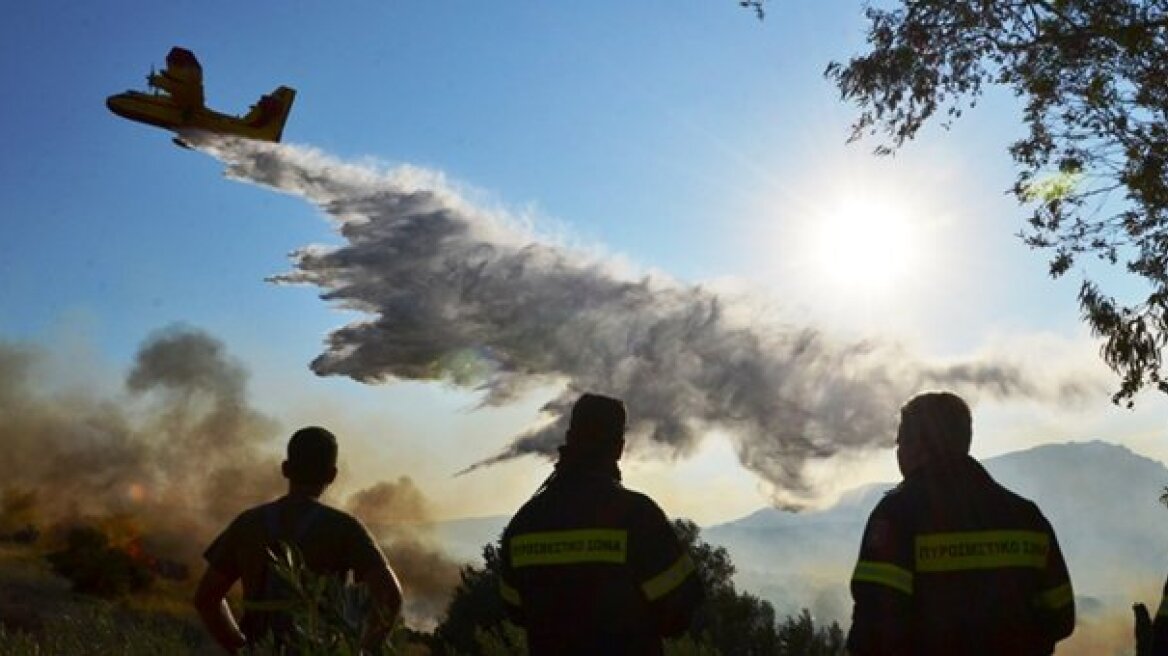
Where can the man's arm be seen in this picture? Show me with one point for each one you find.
(882, 588)
(1159, 646)
(370, 567)
(1056, 599)
(386, 592)
(674, 595)
(210, 601)
(668, 577)
(508, 590)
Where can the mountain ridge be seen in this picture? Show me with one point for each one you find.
(1102, 499)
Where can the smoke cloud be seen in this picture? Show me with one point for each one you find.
(399, 515)
(456, 292)
(180, 450)
(169, 460)
(390, 503)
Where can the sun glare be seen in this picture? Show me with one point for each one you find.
(864, 244)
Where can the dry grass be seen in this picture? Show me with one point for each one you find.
(29, 591)
(39, 614)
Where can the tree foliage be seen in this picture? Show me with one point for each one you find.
(739, 623)
(1092, 166)
(729, 622)
(476, 615)
(799, 635)
(754, 5)
(732, 622)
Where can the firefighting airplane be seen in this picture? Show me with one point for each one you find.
(176, 103)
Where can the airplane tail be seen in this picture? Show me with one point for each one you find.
(269, 115)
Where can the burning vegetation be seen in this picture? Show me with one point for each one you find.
(96, 567)
(127, 488)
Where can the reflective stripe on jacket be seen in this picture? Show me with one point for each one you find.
(590, 567)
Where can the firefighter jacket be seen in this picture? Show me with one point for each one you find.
(589, 567)
(953, 563)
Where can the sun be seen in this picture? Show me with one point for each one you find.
(864, 244)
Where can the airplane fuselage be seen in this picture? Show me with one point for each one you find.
(160, 110)
(154, 109)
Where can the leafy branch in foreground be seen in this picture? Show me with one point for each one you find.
(330, 616)
(1093, 168)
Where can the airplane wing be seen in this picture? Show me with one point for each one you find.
(182, 78)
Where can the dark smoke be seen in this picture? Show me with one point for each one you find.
(399, 515)
(17, 511)
(454, 292)
(390, 503)
(428, 577)
(206, 437)
(181, 452)
(162, 467)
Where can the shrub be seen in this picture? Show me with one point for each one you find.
(96, 568)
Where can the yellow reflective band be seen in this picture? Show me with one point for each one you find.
(1056, 598)
(667, 581)
(954, 552)
(893, 576)
(509, 594)
(590, 545)
(1163, 610)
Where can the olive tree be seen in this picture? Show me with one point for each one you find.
(1091, 168)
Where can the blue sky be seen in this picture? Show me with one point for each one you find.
(682, 137)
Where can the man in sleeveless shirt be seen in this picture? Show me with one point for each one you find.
(331, 541)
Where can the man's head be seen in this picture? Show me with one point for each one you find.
(597, 426)
(934, 426)
(312, 457)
